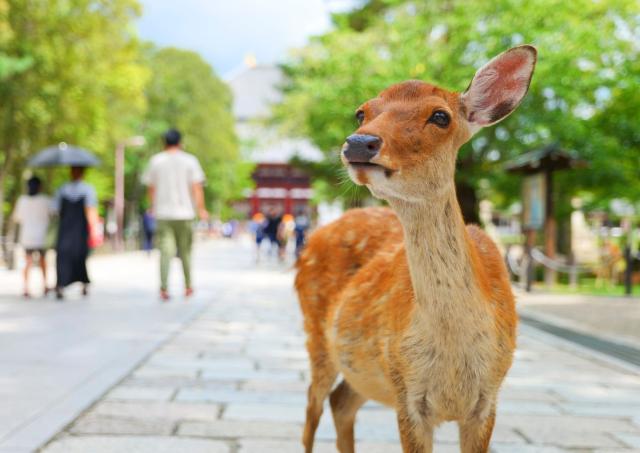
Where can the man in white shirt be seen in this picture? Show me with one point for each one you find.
(175, 181)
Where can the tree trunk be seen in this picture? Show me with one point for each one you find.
(3, 229)
(2, 179)
(5, 246)
(468, 200)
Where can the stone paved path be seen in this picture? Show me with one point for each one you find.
(234, 381)
(617, 318)
(57, 358)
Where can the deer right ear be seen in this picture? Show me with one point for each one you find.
(499, 87)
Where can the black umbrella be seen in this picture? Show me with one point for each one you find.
(64, 155)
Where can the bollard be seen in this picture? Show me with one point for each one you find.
(628, 270)
(573, 273)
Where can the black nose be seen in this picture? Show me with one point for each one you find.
(362, 148)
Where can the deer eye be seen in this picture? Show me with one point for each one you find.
(360, 116)
(440, 118)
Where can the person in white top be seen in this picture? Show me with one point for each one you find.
(175, 182)
(32, 214)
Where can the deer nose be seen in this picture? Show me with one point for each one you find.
(362, 148)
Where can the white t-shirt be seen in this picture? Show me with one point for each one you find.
(172, 175)
(32, 213)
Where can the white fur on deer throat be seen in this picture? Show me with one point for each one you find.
(454, 326)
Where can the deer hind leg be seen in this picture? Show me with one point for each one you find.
(345, 403)
(323, 375)
(475, 434)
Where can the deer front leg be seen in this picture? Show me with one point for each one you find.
(416, 436)
(475, 433)
(345, 403)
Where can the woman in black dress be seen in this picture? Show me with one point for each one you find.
(75, 203)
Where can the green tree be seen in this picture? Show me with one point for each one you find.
(184, 92)
(8, 65)
(583, 92)
(78, 80)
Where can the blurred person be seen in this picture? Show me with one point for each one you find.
(285, 231)
(256, 226)
(111, 227)
(148, 229)
(302, 224)
(175, 184)
(271, 229)
(32, 214)
(76, 204)
(607, 270)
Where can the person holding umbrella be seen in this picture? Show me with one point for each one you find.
(76, 205)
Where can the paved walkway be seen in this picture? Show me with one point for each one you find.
(234, 380)
(617, 318)
(58, 358)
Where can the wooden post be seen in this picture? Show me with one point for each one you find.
(573, 272)
(530, 242)
(118, 203)
(550, 228)
(628, 259)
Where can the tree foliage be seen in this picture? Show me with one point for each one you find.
(75, 71)
(80, 81)
(184, 92)
(583, 95)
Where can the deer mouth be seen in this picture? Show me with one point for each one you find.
(366, 166)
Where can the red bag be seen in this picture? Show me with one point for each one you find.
(96, 234)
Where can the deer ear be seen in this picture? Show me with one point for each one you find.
(499, 87)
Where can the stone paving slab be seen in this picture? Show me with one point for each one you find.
(57, 358)
(136, 444)
(614, 317)
(234, 381)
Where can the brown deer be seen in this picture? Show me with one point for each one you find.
(413, 308)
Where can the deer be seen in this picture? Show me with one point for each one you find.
(413, 308)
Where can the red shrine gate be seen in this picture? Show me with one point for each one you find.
(280, 186)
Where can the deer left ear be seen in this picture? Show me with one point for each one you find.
(499, 87)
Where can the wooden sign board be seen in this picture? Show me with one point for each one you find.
(533, 201)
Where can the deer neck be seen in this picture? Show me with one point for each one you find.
(437, 251)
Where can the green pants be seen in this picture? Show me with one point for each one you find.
(172, 236)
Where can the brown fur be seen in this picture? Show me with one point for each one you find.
(414, 309)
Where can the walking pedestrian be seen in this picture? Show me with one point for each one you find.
(257, 226)
(148, 230)
(285, 232)
(302, 225)
(175, 181)
(272, 228)
(32, 214)
(76, 205)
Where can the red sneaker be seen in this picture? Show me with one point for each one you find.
(188, 292)
(164, 295)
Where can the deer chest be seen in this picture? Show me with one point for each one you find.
(449, 374)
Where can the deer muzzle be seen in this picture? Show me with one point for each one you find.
(360, 148)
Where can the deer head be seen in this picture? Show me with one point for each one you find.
(407, 142)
